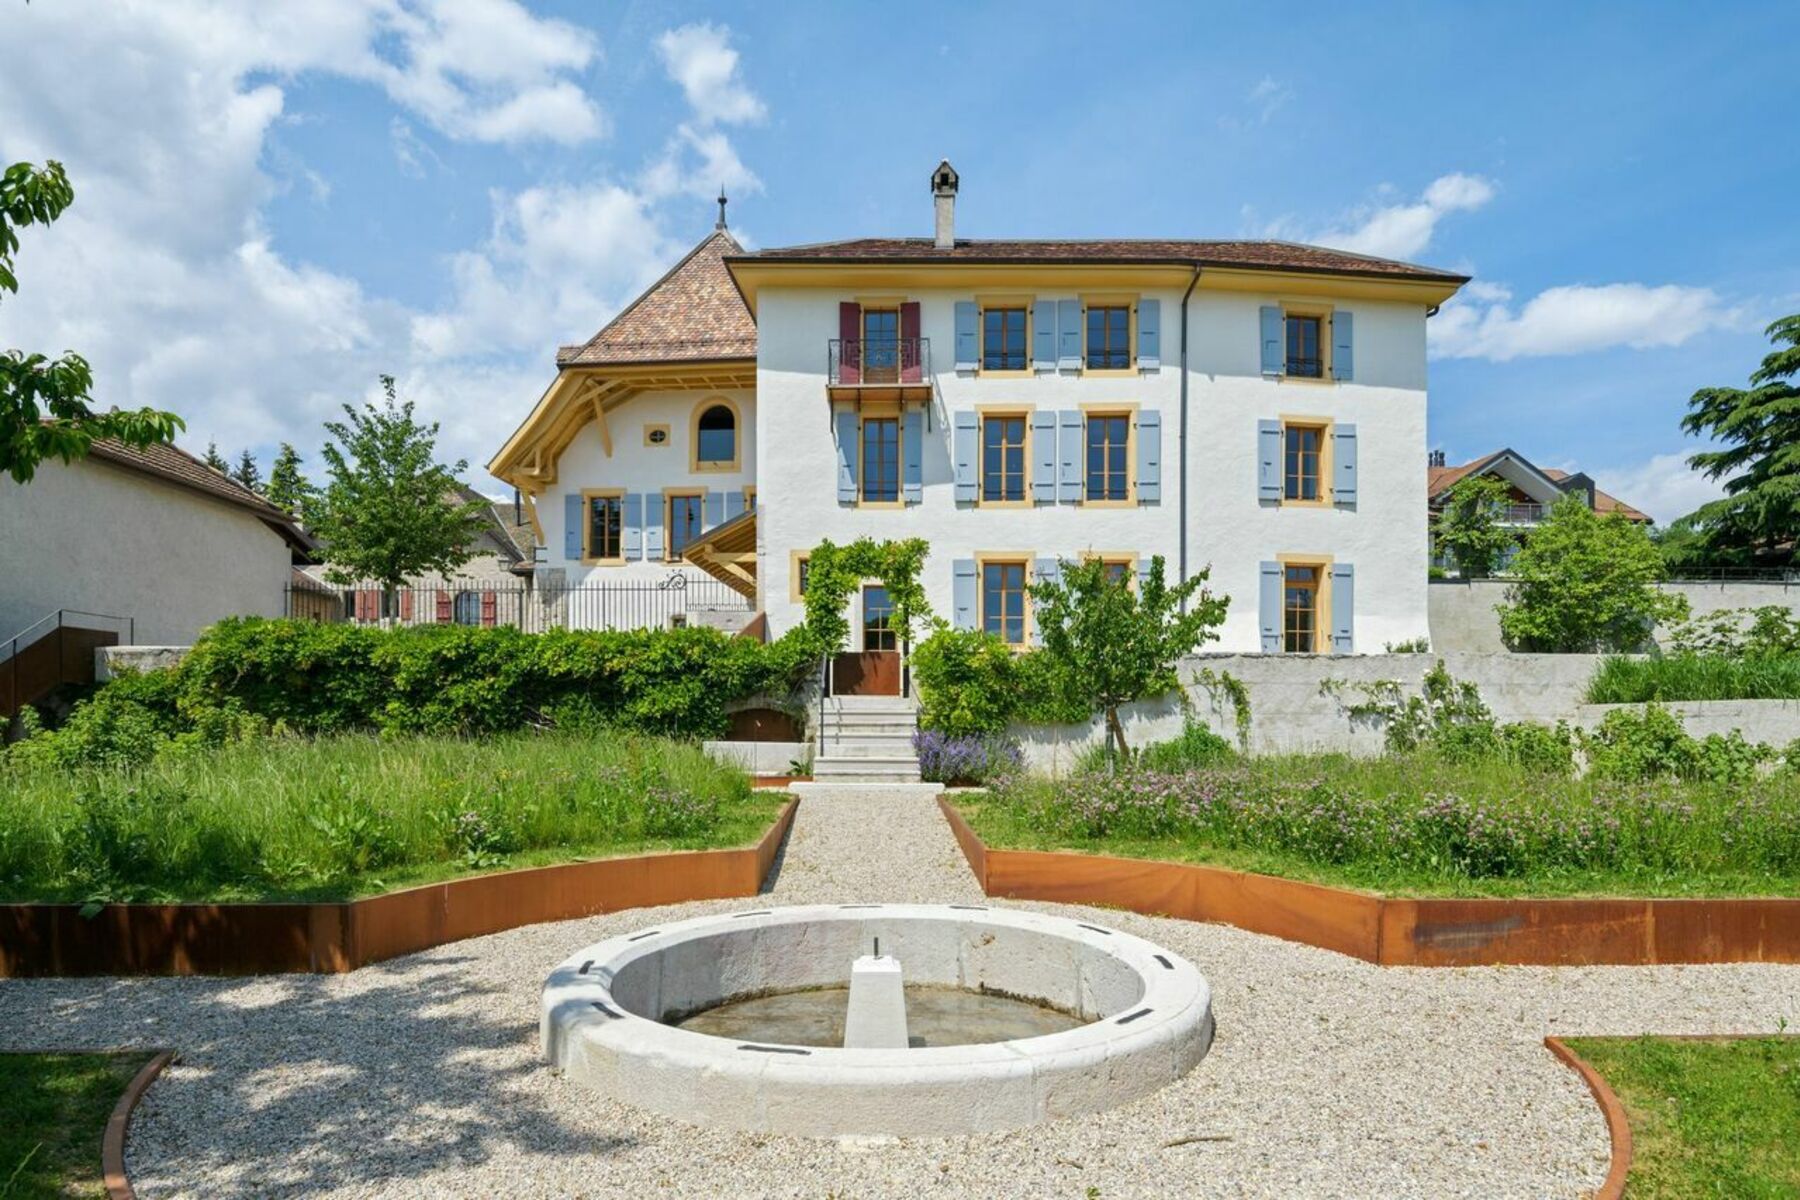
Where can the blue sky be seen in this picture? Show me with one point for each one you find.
(274, 205)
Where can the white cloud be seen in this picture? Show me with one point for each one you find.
(1575, 319)
(698, 162)
(1264, 99)
(699, 57)
(1405, 230)
(1665, 487)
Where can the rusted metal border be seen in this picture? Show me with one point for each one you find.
(1618, 1128)
(112, 1142)
(259, 939)
(1398, 931)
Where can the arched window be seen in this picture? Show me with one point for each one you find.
(715, 437)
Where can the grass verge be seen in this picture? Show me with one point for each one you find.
(1712, 1117)
(1679, 677)
(56, 1107)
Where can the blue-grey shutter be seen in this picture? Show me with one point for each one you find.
(1343, 608)
(715, 509)
(572, 526)
(966, 447)
(1069, 486)
(912, 448)
(846, 424)
(1268, 460)
(1343, 465)
(1149, 354)
(1043, 456)
(1043, 570)
(968, 353)
(1343, 362)
(634, 525)
(1274, 361)
(1145, 563)
(1269, 608)
(1068, 335)
(962, 593)
(655, 511)
(1149, 457)
(1043, 335)
(734, 505)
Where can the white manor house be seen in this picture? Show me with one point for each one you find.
(1252, 408)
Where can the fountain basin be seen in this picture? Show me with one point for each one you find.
(611, 1012)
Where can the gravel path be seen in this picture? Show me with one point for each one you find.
(1329, 1077)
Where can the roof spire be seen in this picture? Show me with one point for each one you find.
(721, 222)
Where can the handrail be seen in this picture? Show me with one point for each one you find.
(11, 647)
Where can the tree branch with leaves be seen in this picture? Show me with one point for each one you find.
(1469, 531)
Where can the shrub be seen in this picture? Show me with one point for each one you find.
(1689, 675)
(1539, 749)
(967, 681)
(965, 758)
(1197, 746)
(1769, 631)
(1652, 743)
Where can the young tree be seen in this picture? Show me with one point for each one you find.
(390, 510)
(215, 460)
(1760, 512)
(1469, 528)
(1586, 583)
(288, 487)
(1116, 639)
(45, 404)
(247, 472)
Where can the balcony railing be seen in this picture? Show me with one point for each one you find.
(1523, 514)
(878, 362)
(1306, 368)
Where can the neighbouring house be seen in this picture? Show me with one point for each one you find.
(1532, 490)
(1254, 408)
(131, 545)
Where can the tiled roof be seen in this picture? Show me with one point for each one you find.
(1439, 480)
(177, 466)
(693, 313)
(1255, 255)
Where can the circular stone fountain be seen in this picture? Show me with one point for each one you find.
(795, 1020)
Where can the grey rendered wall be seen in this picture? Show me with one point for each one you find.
(1463, 618)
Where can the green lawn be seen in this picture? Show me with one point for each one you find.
(333, 818)
(1709, 1118)
(53, 1110)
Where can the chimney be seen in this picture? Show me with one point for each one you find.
(1436, 458)
(943, 191)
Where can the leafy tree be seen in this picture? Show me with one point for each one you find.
(288, 487)
(215, 460)
(390, 510)
(1115, 641)
(1760, 512)
(1469, 528)
(247, 472)
(1586, 583)
(45, 404)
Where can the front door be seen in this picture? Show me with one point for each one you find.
(874, 669)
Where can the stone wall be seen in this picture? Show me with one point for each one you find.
(1772, 722)
(1463, 618)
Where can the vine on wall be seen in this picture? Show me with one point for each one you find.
(834, 572)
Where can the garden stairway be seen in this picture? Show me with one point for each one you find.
(867, 739)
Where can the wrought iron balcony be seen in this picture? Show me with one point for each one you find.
(890, 367)
(1306, 368)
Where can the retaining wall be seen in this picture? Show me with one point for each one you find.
(1773, 722)
(1463, 618)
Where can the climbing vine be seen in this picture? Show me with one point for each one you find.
(834, 572)
(1224, 684)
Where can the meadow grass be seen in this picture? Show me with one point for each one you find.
(338, 817)
(1418, 825)
(56, 1109)
(1677, 677)
(1709, 1117)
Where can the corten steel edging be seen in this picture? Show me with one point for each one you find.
(1397, 931)
(112, 1142)
(324, 938)
(1618, 1129)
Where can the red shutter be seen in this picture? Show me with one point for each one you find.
(444, 612)
(368, 604)
(850, 343)
(406, 604)
(911, 367)
(487, 608)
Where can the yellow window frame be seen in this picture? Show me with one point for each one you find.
(1326, 428)
(1323, 313)
(1129, 302)
(737, 436)
(1021, 413)
(670, 495)
(982, 305)
(1321, 599)
(588, 496)
(1130, 413)
(985, 559)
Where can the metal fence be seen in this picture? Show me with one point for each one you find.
(670, 602)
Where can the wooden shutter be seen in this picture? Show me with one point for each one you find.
(1274, 351)
(968, 341)
(911, 352)
(1068, 335)
(1343, 465)
(1043, 570)
(490, 603)
(912, 451)
(654, 512)
(445, 613)
(1268, 460)
(967, 439)
(1149, 351)
(846, 425)
(715, 508)
(734, 505)
(849, 342)
(1144, 567)
(1043, 335)
(1269, 608)
(406, 604)
(1343, 346)
(572, 516)
(1343, 608)
(634, 526)
(1149, 457)
(963, 594)
(1043, 456)
(1069, 485)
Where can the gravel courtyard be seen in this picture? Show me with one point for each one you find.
(1329, 1077)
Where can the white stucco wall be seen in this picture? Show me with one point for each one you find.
(89, 535)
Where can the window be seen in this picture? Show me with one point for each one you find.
(684, 521)
(1119, 569)
(1303, 470)
(715, 438)
(881, 345)
(1003, 457)
(1003, 601)
(1304, 357)
(797, 571)
(1109, 337)
(878, 619)
(656, 435)
(467, 608)
(1108, 444)
(750, 497)
(881, 458)
(1003, 339)
(1300, 610)
(606, 526)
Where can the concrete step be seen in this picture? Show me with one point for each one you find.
(856, 719)
(873, 704)
(860, 748)
(870, 769)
